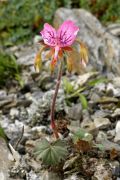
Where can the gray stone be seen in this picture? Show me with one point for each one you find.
(111, 133)
(14, 113)
(82, 79)
(104, 48)
(39, 111)
(75, 112)
(101, 172)
(116, 81)
(102, 123)
(100, 113)
(116, 113)
(111, 90)
(26, 56)
(4, 160)
(3, 94)
(114, 29)
(117, 130)
(108, 145)
(50, 176)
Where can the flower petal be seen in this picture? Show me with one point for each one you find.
(49, 35)
(83, 54)
(69, 64)
(50, 53)
(38, 60)
(57, 48)
(53, 64)
(66, 34)
(74, 62)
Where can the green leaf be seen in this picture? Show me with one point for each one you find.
(67, 86)
(100, 146)
(51, 153)
(83, 101)
(3, 134)
(81, 134)
(76, 93)
(97, 81)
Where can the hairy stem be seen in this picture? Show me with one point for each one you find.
(53, 125)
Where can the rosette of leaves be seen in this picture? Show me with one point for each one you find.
(81, 134)
(83, 141)
(51, 153)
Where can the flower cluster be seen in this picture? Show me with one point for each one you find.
(60, 42)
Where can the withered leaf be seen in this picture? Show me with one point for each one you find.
(113, 154)
(82, 146)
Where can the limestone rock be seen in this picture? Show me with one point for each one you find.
(117, 129)
(4, 160)
(101, 123)
(102, 173)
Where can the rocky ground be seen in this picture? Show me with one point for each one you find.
(29, 106)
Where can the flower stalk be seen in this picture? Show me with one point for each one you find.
(59, 42)
(52, 113)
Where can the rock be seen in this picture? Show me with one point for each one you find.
(114, 29)
(101, 87)
(87, 124)
(75, 112)
(116, 113)
(112, 91)
(50, 176)
(102, 172)
(89, 127)
(100, 113)
(82, 79)
(108, 145)
(105, 100)
(6, 101)
(26, 56)
(4, 160)
(102, 123)
(39, 110)
(32, 176)
(111, 134)
(115, 168)
(103, 47)
(21, 170)
(37, 131)
(94, 97)
(101, 137)
(14, 113)
(45, 81)
(70, 163)
(117, 130)
(3, 94)
(116, 81)
(74, 176)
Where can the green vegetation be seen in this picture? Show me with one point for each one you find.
(9, 70)
(51, 153)
(21, 19)
(105, 10)
(79, 93)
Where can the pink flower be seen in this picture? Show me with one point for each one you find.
(59, 40)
